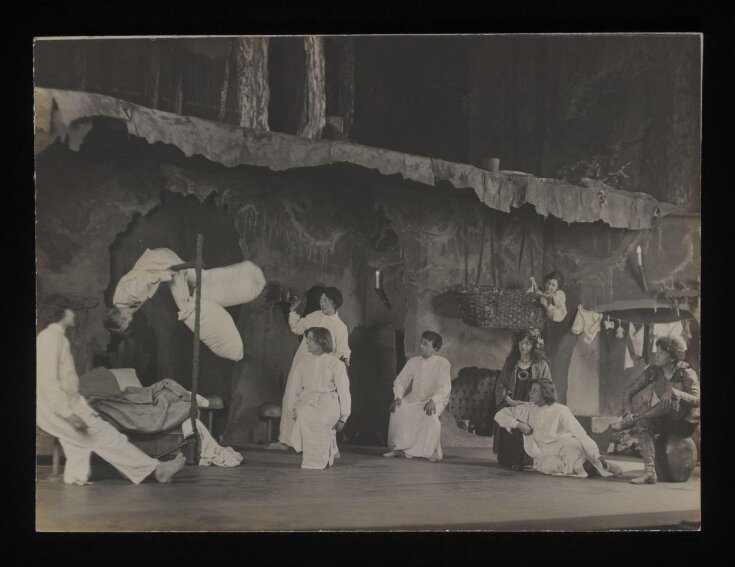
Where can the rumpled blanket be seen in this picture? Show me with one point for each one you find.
(157, 408)
(211, 452)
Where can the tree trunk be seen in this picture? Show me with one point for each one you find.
(179, 92)
(252, 82)
(225, 84)
(177, 102)
(347, 84)
(313, 116)
(156, 74)
(80, 65)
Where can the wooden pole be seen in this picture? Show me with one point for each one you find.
(195, 358)
(482, 249)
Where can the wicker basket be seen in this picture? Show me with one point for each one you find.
(493, 308)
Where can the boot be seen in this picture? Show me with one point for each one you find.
(625, 422)
(645, 444)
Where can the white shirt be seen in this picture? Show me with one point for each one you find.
(429, 378)
(56, 376)
(323, 374)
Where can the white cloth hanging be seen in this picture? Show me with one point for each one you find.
(587, 323)
(675, 329)
(634, 347)
(211, 452)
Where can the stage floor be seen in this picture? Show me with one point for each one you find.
(467, 491)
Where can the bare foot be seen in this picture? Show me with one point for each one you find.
(392, 453)
(407, 455)
(615, 469)
(277, 447)
(166, 470)
(434, 459)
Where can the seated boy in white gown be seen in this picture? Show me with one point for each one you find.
(62, 412)
(553, 437)
(421, 392)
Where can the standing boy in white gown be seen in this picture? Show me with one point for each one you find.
(421, 392)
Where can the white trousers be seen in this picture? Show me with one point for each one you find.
(100, 438)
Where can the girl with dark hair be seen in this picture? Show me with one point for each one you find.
(321, 393)
(526, 363)
(326, 317)
(552, 298)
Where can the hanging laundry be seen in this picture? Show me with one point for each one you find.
(687, 331)
(675, 329)
(587, 323)
(620, 332)
(634, 347)
(638, 339)
(583, 376)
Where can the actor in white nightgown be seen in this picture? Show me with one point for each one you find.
(553, 437)
(328, 318)
(322, 401)
(421, 392)
(62, 412)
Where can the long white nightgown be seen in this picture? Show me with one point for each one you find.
(322, 397)
(298, 326)
(410, 429)
(559, 445)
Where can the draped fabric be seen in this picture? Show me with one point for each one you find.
(231, 146)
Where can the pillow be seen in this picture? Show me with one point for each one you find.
(126, 378)
(217, 329)
(98, 382)
(231, 285)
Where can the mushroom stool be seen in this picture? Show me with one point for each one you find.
(216, 403)
(676, 457)
(271, 412)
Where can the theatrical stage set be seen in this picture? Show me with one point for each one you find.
(286, 278)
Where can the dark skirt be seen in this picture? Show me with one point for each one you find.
(510, 445)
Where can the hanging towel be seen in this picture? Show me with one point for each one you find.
(634, 347)
(637, 339)
(587, 323)
(675, 329)
(583, 377)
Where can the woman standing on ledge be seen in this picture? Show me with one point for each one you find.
(525, 364)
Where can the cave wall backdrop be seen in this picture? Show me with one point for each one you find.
(100, 207)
